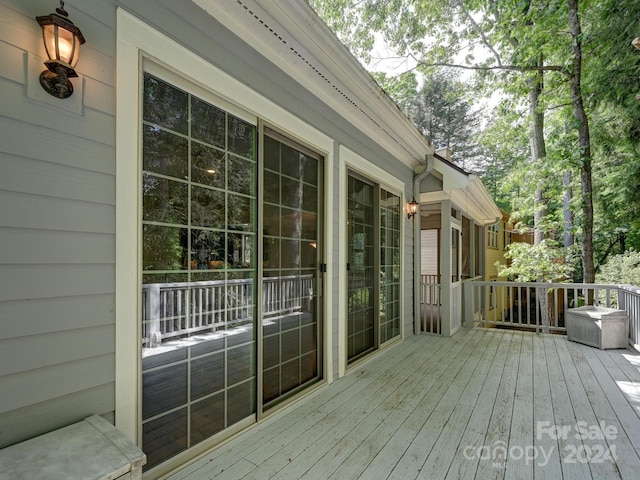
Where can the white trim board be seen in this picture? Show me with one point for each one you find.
(349, 160)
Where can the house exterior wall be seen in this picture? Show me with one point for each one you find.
(498, 303)
(58, 197)
(496, 254)
(57, 229)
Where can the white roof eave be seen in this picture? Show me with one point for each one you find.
(472, 197)
(294, 38)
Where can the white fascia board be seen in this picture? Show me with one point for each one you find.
(473, 199)
(434, 197)
(484, 198)
(476, 202)
(294, 38)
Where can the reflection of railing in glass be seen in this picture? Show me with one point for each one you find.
(173, 310)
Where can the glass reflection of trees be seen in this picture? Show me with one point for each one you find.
(198, 183)
(198, 234)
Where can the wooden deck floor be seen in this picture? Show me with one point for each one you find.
(484, 404)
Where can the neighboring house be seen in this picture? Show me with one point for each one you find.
(212, 225)
(498, 237)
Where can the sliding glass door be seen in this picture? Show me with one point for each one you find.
(361, 268)
(373, 268)
(390, 262)
(291, 326)
(198, 270)
(223, 337)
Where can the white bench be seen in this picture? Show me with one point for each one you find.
(599, 327)
(89, 450)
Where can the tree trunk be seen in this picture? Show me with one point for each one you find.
(584, 142)
(538, 149)
(538, 153)
(566, 207)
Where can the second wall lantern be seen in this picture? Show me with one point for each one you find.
(412, 208)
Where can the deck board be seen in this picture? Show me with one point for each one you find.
(547, 465)
(573, 362)
(492, 467)
(521, 466)
(435, 407)
(465, 462)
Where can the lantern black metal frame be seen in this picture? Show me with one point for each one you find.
(55, 80)
(412, 208)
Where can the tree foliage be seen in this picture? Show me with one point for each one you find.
(621, 269)
(580, 53)
(543, 262)
(441, 109)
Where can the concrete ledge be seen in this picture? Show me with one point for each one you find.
(89, 450)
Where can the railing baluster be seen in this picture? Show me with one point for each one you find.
(528, 295)
(556, 307)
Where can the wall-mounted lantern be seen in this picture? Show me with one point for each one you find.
(412, 208)
(62, 40)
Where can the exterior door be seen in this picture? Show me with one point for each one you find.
(362, 334)
(223, 336)
(199, 224)
(374, 266)
(292, 254)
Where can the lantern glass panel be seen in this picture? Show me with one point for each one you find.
(66, 44)
(49, 37)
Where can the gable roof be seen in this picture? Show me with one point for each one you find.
(293, 37)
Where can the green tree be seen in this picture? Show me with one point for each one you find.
(559, 57)
(534, 263)
(621, 269)
(444, 114)
(542, 263)
(441, 108)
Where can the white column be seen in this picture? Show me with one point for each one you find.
(445, 266)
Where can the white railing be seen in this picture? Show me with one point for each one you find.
(629, 300)
(172, 310)
(282, 295)
(471, 303)
(430, 304)
(542, 306)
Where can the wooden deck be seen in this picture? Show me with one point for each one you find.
(484, 404)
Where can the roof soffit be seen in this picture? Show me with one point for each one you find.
(472, 198)
(295, 39)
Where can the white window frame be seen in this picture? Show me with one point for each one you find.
(492, 235)
(138, 42)
(349, 160)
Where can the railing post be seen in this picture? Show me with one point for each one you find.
(468, 301)
(152, 309)
(622, 299)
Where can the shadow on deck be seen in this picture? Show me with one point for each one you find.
(485, 403)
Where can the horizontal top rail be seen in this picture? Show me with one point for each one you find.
(592, 286)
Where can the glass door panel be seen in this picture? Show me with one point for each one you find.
(361, 288)
(291, 320)
(455, 254)
(199, 270)
(390, 216)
